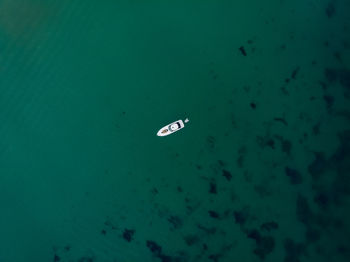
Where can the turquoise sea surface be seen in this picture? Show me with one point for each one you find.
(260, 173)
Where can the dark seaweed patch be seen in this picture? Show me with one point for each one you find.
(243, 52)
(212, 188)
(282, 120)
(226, 174)
(213, 214)
(165, 258)
(179, 189)
(175, 221)
(265, 247)
(330, 74)
(128, 234)
(85, 259)
(318, 165)
(264, 141)
(211, 142)
(330, 9)
(295, 72)
(316, 129)
(241, 216)
(268, 226)
(154, 247)
(312, 235)
(191, 239)
(264, 244)
(293, 250)
(303, 210)
(56, 258)
(294, 175)
(207, 230)
(214, 257)
(254, 234)
(322, 200)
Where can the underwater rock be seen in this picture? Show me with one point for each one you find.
(294, 175)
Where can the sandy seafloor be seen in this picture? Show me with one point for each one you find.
(260, 173)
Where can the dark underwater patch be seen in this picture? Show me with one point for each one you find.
(294, 175)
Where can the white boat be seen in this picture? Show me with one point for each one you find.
(172, 127)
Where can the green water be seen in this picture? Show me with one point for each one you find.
(260, 173)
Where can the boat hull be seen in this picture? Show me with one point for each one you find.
(171, 128)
